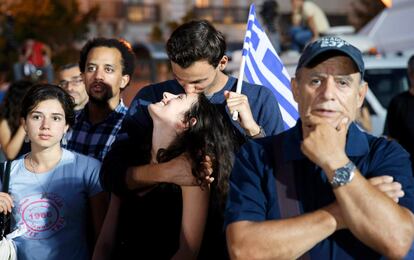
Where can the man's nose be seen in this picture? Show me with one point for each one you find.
(329, 88)
(189, 88)
(99, 74)
(70, 87)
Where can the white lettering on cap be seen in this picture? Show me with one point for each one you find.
(332, 42)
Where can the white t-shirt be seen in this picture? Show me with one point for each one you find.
(52, 207)
(310, 9)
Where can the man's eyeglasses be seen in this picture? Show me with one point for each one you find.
(75, 82)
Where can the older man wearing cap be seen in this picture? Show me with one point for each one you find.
(318, 190)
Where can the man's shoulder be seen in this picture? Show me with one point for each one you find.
(264, 147)
(385, 152)
(254, 88)
(258, 93)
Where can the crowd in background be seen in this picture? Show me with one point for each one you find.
(95, 178)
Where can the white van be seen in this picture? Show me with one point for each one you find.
(386, 77)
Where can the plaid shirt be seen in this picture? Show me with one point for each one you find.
(95, 140)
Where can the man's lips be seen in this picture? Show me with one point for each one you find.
(98, 87)
(324, 112)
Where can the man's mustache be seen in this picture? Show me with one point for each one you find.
(100, 84)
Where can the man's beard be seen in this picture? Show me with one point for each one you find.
(103, 97)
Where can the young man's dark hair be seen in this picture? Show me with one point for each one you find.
(123, 46)
(194, 41)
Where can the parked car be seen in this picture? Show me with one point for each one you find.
(386, 77)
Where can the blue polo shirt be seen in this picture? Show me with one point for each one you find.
(253, 195)
(263, 104)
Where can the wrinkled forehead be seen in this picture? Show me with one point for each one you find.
(332, 63)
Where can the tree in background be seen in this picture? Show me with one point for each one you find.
(58, 23)
(362, 11)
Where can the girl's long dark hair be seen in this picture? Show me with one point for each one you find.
(12, 103)
(212, 136)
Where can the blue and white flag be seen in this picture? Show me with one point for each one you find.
(264, 67)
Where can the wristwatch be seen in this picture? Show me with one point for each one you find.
(261, 134)
(343, 175)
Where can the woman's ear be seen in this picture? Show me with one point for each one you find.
(184, 125)
(66, 129)
(23, 123)
(193, 121)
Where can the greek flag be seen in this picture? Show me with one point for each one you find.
(264, 67)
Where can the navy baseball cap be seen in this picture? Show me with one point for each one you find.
(328, 44)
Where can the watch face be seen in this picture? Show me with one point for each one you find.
(343, 175)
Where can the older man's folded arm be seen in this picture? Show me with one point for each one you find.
(279, 239)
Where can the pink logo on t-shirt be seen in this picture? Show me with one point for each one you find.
(43, 216)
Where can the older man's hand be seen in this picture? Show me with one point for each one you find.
(323, 143)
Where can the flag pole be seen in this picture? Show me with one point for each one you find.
(246, 47)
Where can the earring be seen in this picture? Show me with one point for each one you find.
(64, 141)
(26, 139)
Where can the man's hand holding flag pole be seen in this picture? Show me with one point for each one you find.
(261, 65)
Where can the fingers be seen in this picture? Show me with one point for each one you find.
(385, 184)
(311, 121)
(240, 103)
(6, 202)
(342, 126)
(235, 101)
(395, 195)
(380, 179)
(388, 186)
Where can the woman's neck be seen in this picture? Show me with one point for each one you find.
(43, 159)
(162, 137)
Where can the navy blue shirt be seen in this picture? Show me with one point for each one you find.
(253, 195)
(138, 125)
(2, 93)
(263, 104)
